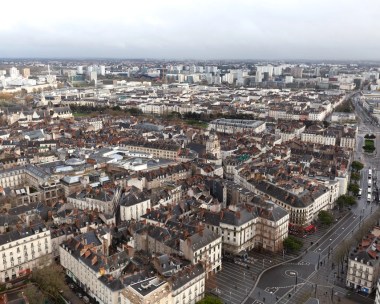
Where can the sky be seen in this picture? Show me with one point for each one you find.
(191, 29)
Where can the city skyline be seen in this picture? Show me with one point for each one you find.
(207, 30)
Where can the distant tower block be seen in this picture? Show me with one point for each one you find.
(213, 145)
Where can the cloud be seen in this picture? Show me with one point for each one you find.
(208, 29)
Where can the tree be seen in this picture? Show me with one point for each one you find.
(354, 189)
(370, 136)
(210, 300)
(355, 176)
(357, 166)
(325, 217)
(50, 279)
(291, 243)
(346, 200)
(33, 295)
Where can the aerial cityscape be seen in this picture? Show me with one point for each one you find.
(179, 153)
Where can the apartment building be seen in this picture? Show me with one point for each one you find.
(88, 262)
(133, 204)
(204, 246)
(34, 176)
(302, 207)
(159, 149)
(272, 225)
(187, 286)
(237, 228)
(364, 265)
(196, 244)
(104, 200)
(24, 249)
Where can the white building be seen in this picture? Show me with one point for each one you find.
(232, 126)
(24, 249)
(133, 205)
(364, 265)
(89, 264)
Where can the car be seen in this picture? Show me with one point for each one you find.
(72, 286)
(79, 295)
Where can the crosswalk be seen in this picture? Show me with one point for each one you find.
(237, 278)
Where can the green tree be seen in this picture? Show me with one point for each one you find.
(355, 176)
(210, 300)
(354, 189)
(325, 217)
(346, 200)
(291, 243)
(357, 166)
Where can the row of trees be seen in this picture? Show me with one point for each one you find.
(86, 109)
(341, 253)
(353, 187)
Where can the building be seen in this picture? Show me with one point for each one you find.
(296, 72)
(24, 249)
(88, 262)
(272, 226)
(236, 228)
(196, 244)
(187, 286)
(232, 126)
(133, 204)
(26, 72)
(157, 148)
(14, 72)
(364, 264)
(103, 200)
(303, 202)
(377, 299)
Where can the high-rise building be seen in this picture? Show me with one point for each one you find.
(26, 72)
(13, 72)
(102, 70)
(296, 72)
(80, 70)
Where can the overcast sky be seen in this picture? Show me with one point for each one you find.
(197, 29)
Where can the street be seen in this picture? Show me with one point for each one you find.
(296, 282)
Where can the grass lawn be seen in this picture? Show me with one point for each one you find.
(369, 145)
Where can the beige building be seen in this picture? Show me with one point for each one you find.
(25, 72)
